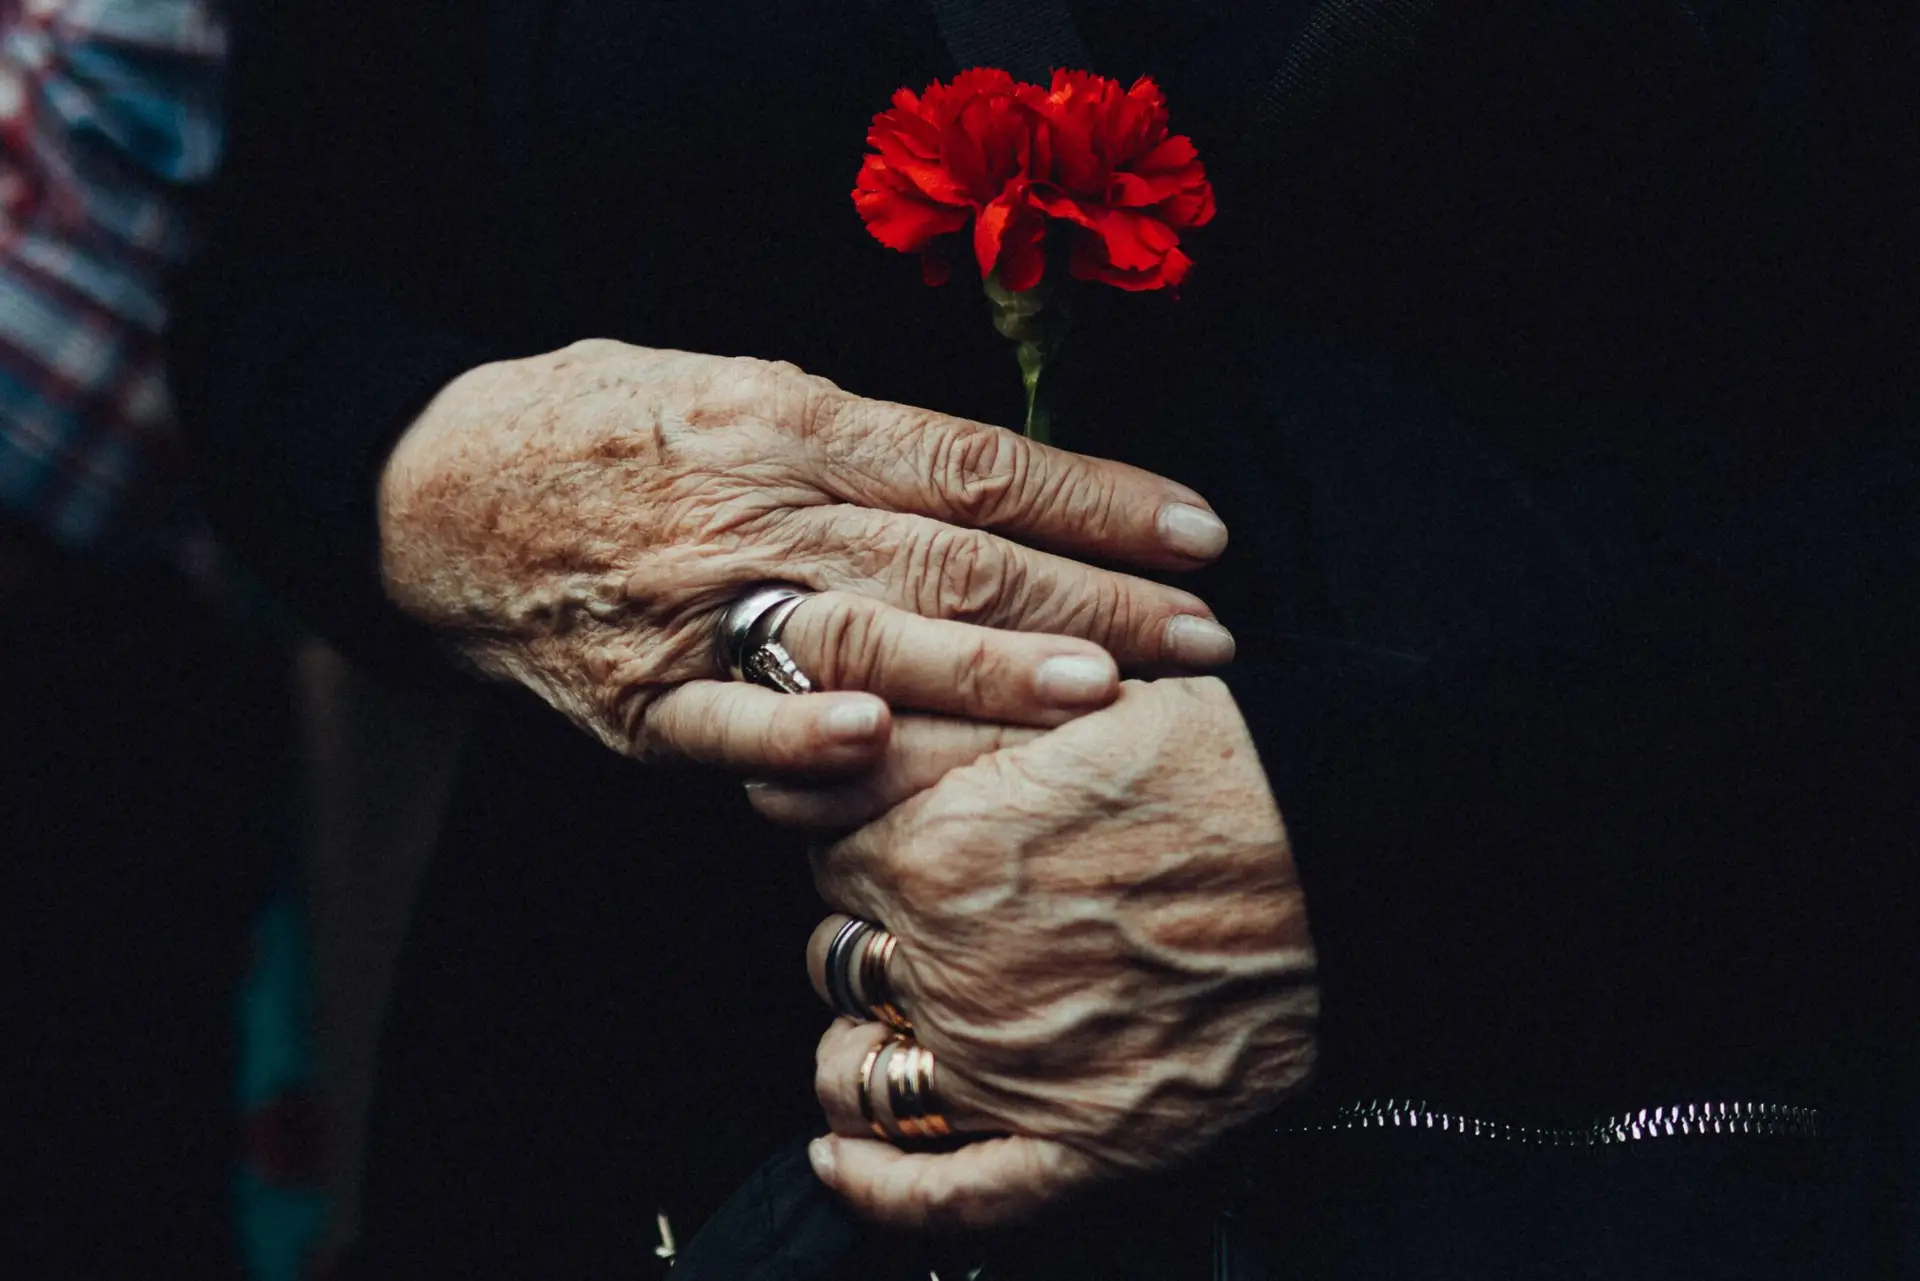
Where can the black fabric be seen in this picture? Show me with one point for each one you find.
(143, 806)
(1558, 390)
(366, 265)
(1342, 50)
(1028, 39)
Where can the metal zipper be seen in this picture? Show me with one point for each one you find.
(1777, 1120)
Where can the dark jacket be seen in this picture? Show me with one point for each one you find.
(1560, 391)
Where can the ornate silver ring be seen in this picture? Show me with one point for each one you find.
(747, 639)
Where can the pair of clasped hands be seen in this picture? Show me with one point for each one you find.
(1102, 938)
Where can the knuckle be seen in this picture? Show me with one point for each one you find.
(1110, 614)
(965, 575)
(819, 410)
(789, 737)
(973, 674)
(593, 348)
(728, 740)
(1090, 496)
(1094, 605)
(852, 645)
(983, 473)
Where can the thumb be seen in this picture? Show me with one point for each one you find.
(987, 1184)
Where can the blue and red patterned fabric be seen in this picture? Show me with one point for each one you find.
(107, 110)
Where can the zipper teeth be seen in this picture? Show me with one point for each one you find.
(1771, 1119)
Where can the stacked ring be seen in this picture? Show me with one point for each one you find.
(856, 974)
(840, 970)
(863, 1085)
(875, 988)
(912, 1105)
(910, 1093)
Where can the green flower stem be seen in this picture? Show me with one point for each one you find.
(1038, 329)
(1033, 363)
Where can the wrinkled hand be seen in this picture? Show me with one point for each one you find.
(1103, 941)
(575, 521)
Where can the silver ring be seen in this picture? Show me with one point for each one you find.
(746, 639)
(856, 970)
(842, 955)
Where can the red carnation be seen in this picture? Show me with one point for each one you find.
(1121, 178)
(1011, 158)
(957, 153)
(1014, 160)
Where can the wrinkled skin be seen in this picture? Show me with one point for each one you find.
(1102, 939)
(575, 522)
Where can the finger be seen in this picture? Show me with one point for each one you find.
(839, 1065)
(743, 727)
(897, 978)
(849, 642)
(846, 1056)
(944, 571)
(989, 1184)
(918, 754)
(817, 944)
(905, 459)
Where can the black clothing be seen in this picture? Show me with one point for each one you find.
(1559, 393)
(143, 806)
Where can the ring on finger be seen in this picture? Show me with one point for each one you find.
(875, 985)
(839, 967)
(856, 974)
(746, 639)
(863, 1085)
(913, 1109)
(911, 1097)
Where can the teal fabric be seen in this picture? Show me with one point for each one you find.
(280, 1187)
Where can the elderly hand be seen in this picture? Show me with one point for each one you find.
(1101, 938)
(576, 521)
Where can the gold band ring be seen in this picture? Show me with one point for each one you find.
(912, 1106)
(875, 985)
(863, 1085)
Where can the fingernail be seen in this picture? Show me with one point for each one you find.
(1186, 530)
(820, 1153)
(852, 721)
(1074, 680)
(1198, 642)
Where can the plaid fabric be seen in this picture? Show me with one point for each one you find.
(107, 108)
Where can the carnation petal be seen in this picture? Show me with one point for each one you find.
(927, 176)
(1004, 131)
(945, 102)
(1055, 203)
(1138, 190)
(1090, 262)
(1174, 153)
(1008, 235)
(1023, 257)
(908, 130)
(1175, 268)
(1133, 241)
(904, 221)
(1190, 208)
(979, 82)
